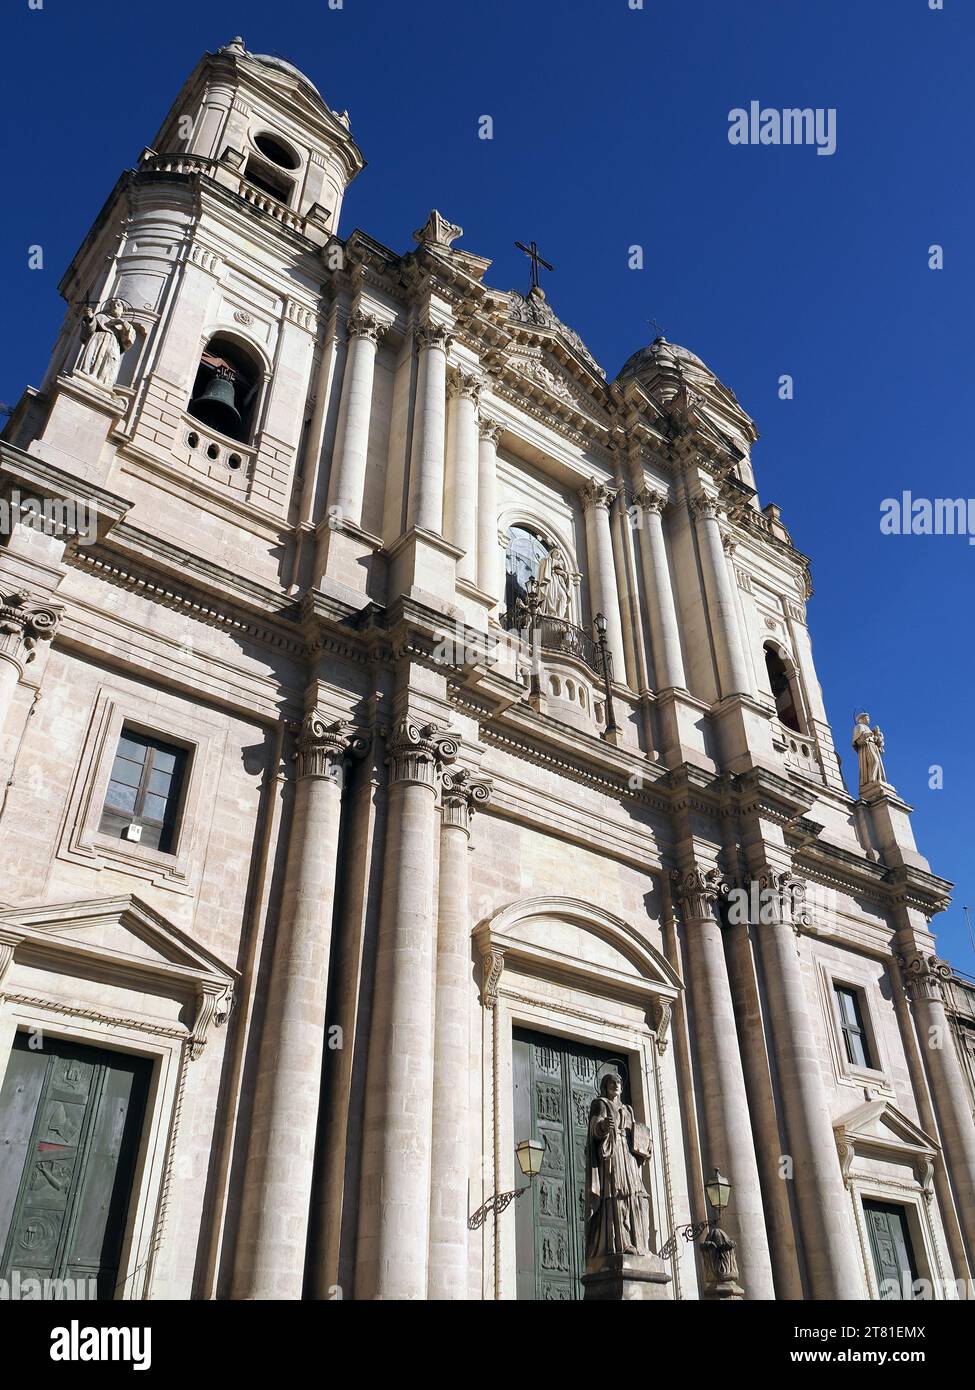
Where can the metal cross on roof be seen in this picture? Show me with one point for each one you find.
(657, 328)
(531, 251)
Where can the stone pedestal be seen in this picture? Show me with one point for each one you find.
(621, 1278)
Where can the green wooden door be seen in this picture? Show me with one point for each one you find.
(890, 1244)
(555, 1082)
(70, 1125)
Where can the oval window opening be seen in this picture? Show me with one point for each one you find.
(277, 153)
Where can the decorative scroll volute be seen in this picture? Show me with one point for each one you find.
(417, 753)
(461, 795)
(697, 890)
(322, 747)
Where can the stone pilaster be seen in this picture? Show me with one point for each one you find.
(668, 662)
(488, 550)
(925, 981)
(270, 1255)
(597, 499)
(461, 484)
(393, 1246)
(729, 1142)
(732, 672)
(429, 429)
(461, 794)
(24, 621)
(828, 1239)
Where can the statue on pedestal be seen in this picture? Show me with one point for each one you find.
(556, 585)
(869, 745)
(617, 1203)
(107, 334)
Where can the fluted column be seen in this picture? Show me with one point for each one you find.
(733, 677)
(24, 622)
(488, 566)
(597, 499)
(828, 1238)
(393, 1245)
(278, 1180)
(429, 429)
(668, 662)
(461, 488)
(348, 480)
(925, 981)
(730, 1145)
(452, 1041)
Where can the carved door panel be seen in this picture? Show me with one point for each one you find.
(555, 1082)
(890, 1244)
(70, 1124)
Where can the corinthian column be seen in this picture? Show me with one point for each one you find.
(732, 674)
(597, 500)
(728, 1130)
(668, 663)
(348, 480)
(461, 487)
(277, 1185)
(925, 980)
(24, 622)
(427, 458)
(828, 1239)
(488, 566)
(452, 1041)
(393, 1244)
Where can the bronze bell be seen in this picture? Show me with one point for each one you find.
(215, 407)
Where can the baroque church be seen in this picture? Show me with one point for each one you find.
(432, 872)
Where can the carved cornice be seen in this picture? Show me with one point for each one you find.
(321, 748)
(417, 753)
(25, 621)
(461, 795)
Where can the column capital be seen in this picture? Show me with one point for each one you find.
(462, 794)
(416, 753)
(597, 494)
(490, 429)
(783, 898)
(361, 324)
(463, 385)
(650, 500)
(697, 890)
(925, 977)
(433, 335)
(25, 621)
(704, 505)
(321, 747)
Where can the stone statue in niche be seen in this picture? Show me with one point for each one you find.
(869, 745)
(617, 1203)
(556, 585)
(106, 335)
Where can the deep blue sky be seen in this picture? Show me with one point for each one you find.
(611, 129)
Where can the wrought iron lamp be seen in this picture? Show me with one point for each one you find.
(718, 1190)
(612, 729)
(530, 1153)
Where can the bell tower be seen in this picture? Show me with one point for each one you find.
(186, 367)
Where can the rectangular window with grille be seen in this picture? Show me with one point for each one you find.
(142, 803)
(855, 1039)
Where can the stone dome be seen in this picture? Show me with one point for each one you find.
(663, 353)
(270, 60)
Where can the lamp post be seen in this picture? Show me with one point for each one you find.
(530, 1153)
(717, 1247)
(612, 730)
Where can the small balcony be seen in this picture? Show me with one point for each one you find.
(558, 636)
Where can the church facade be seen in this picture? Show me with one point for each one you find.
(405, 727)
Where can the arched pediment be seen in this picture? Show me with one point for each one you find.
(579, 944)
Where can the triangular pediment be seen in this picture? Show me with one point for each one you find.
(122, 929)
(541, 372)
(877, 1123)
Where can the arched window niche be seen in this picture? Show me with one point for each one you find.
(226, 388)
(785, 692)
(529, 555)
